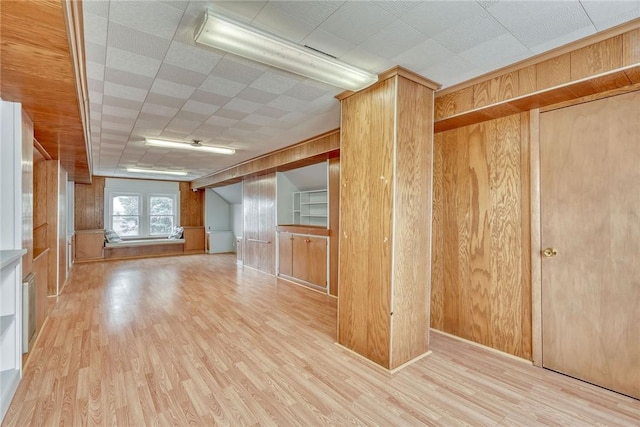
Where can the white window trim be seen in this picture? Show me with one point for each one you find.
(144, 224)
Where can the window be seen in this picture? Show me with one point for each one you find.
(125, 216)
(142, 214)
(162, 212)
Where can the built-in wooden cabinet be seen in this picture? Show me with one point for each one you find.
(303, 257)
(194, 240)
(89, 245)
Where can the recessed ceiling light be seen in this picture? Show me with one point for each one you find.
(156, 171)
(231, 36)
(195, 146)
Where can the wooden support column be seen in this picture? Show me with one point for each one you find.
(385, 224)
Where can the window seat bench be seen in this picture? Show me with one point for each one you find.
(144, 248)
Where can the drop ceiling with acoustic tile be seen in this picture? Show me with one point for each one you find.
(148, 78)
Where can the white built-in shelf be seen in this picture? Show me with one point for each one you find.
(5, 322)
(311, 207)
(8, 257)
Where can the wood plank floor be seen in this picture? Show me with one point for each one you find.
(196, 340)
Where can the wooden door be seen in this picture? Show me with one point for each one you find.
(285, 254)
(590, 212)
(310, 259)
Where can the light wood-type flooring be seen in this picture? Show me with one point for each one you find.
(197, 340)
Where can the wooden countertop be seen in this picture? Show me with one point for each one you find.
(314, 230)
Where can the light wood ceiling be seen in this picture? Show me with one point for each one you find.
(37, 71)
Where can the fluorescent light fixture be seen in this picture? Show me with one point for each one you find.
(195, 146)
(155, 171)
(231, 36)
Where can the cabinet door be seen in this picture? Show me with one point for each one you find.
(310, 259)
(285, 254)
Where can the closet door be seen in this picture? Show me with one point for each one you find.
(590, 211)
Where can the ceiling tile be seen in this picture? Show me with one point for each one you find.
(221, 86)
(159, 110)
(126, 92)
(306, 92)
(276, 82)
(446, 72)
(393, 39)
(95, 70)
(313, 12)
(230, 114)
(397, 7)
(182, 126)
(200, 107)
(563, 39)
(272, 112)
(120, 112)
(191, 58)
(168, 101)
(151, 17)
(242, 106)
(96, 7)
(606, 14)
(357, 21)
(256, 95)
(209, 97)
(125, 78)
(434, 17)
(141, 43)
(126, 61)
(96, 28)
(537, 22)
(483, 26)
(423, 56)
(277, 21)
(165, 87)
(328, 43)
(231, 69)
(496, 53)
(180, 75)
(243, 11)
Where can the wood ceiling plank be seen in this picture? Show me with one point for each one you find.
(37, 71)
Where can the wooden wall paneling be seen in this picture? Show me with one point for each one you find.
(631, 47)
(527, 80)
(482, 94)
(267, 222)
(505, 87)
(61, 208)
(250, 201)
(354, 210)
(191, 206)
(41, 267)
(478, 217)
(89, 205)
(536, 238)
(27, 193)
(411, 275)
(49, 188)
(285, 254)
(553, 72)
(437, 249)
(510, 288)
(313, 150)
(40, 237)
(481, 285)
(89, 245)
(47, 92)
(334, 224)
(526, 320)
(377, 282)
(597, 58)
(454, 103)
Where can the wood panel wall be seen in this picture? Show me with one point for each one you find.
(46, 187)
(481, 288)
(89, 205)
(334, 223)
(61, 208)
(191, 206)
(259, 206)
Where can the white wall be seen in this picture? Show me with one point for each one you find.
(217, 212)
(10, 175)
(284, 192)
(237, 223)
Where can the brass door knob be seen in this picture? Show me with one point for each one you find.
(550, 252)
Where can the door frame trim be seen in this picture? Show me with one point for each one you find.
(536, 237)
